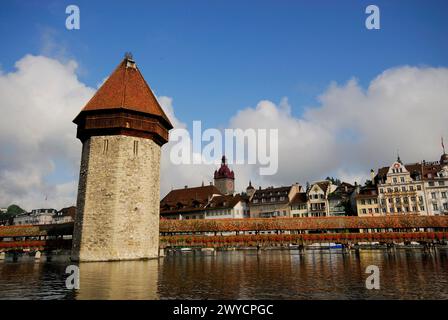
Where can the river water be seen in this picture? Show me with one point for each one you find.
(272, 274)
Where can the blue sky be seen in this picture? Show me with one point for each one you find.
(227, 63)
(216, 57)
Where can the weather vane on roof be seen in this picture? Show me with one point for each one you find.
(443, 146)
(128, 55)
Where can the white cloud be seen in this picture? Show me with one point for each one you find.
(39, 101)
(351, 131)
(177, 176)
(354, 130)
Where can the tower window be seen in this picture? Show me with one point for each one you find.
(105, 146)
(135, 148)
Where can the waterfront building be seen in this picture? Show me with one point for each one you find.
(318, 198)
(65, 215)
(227, 206)
(415, 188)
(187, 203)
(122, 129)
(435, 184)
(205, 202)
(339, 201)
(400, 189)
(322, 199)
(35, 217)
(215, 201)
(367, 201)
(299, 205)
(273, 201)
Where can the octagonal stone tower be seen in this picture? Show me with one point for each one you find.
(122, 129)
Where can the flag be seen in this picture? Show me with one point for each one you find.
(443, 146)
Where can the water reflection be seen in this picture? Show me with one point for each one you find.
(275, 274)
(134, 280)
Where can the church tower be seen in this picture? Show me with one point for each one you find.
(224, 178)
(122, 129)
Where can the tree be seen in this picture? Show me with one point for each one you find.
(14, 210)
(333, 180)
(10, 213)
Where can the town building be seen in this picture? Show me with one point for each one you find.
(339, 201)
(45, 216)
(318, 198)
(215, 201)
(273, 201)
(205, 202)
(415, 188)
(322, 199)
(224, 178)
(65, 215)
(227, 206)
(299, 205)
(35, 217)
(367, 201)
(187, 203)
(435, 185)
(400, 188)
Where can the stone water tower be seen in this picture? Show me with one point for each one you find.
(122, 129)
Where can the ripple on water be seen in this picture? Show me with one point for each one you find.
(273, 274)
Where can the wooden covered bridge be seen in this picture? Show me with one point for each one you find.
(303, 231)
(253, 232)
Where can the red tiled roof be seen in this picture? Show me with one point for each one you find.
(430, 170)
(412, 168)
(223, 202)
(187, 194)
(299, 198)
(126, 89)
(187, 199)
(271, 193)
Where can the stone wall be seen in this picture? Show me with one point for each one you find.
(118, 200)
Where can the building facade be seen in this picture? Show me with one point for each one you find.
(205, 202)
(416, 188)
(227, 207)
(273, 201)
(322, 199)
(36, 217)
(187, 203)
(367, 201)
(435, 185)
(318, 198)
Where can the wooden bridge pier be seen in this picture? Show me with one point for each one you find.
(429, 247)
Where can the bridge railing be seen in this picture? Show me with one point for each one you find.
(299, 239)
(396, 222)
(36, 244)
